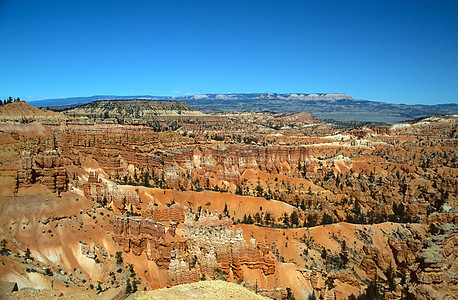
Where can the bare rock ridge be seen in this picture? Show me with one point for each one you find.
(22, 112)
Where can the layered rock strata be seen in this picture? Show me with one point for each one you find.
(211, 235)
(116, 198)
(138, 235)
(45, 168)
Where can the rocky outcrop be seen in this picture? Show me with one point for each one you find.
(110, 195)
(210, 234)
(92, 251)
(93, 187)
(301, 117)
(382, 130)
(208, 248)
(180, 272)
(436, 269)
(45, 168)
(232, 160)
(138, 235)
(175, 213)
(276, 293)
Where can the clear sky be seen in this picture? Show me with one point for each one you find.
(394, 51)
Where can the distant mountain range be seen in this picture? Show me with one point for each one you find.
(341, 107)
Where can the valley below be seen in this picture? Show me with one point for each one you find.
(141, 198)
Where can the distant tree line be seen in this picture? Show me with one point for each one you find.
(9, 100)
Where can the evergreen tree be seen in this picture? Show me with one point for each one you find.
(257, 218)
(294, 218)
(327, 219)
(311, 220)
(303, 205)
(286, 220)
(390, 278)
(28, 253)
(249, 220)
(128, 287)
(3, 243)
(312, 296)
(267, 218)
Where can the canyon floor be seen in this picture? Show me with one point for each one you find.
(139, 199)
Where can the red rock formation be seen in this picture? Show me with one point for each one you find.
(382, 130)
(175, 213)
(45, 168)
(358, 133)
(211, 249)
(116, 150)
(93, 187)
(211, 234)
(138, 235)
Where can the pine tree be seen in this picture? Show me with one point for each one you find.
(294, 218)
(286, 220)
(128, 287)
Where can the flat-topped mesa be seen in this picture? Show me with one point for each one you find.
(135, 111)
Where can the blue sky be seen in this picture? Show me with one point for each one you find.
(393, 51)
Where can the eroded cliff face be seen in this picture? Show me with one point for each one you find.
(144, 235)
(36, 160)
(206, 248)
(175, 161)
(210, 235)
(435, 269)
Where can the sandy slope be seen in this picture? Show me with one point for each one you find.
(200, 290)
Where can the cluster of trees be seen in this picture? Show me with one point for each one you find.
(286, 220)
(143, 179)
(9, 100)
